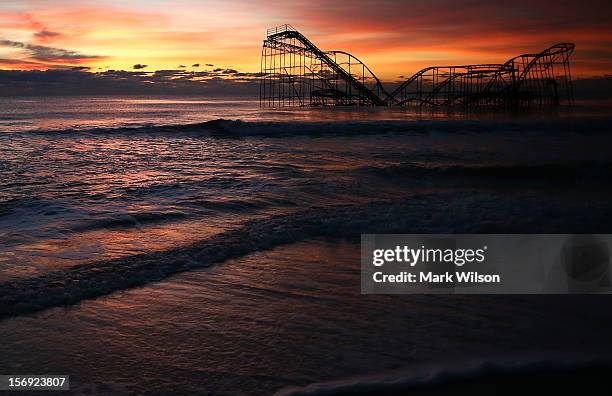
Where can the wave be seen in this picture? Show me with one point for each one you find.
(485, 376)
(238, 128)
(128, 220)
(199, 207)
(36, 211)
(37, 207)
(462, 212)
(237, 205)
(224, 128)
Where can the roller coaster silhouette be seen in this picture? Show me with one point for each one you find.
(295, 72)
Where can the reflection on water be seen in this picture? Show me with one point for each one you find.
(68, 197)
(32, 255)
(52, 113)
(288, 316)
(72, 193)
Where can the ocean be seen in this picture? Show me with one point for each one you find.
(210, 245)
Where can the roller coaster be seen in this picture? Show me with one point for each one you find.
(295, 72)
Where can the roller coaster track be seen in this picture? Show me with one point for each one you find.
(537, 74)
(283, 55)
(427, 86)
(294, 71)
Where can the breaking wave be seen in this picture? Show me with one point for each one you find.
(463, 212)
(128, 220)
(238, 128)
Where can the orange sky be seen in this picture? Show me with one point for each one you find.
(393, 37)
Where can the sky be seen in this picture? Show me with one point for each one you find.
(394, 38)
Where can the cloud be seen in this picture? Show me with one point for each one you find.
(195, 65)
(66, 80)
(182, 66)
(121, 82)
(139, 66)
(170, 73)
(45, 35)
(49, 54)
(392, 37)
(8, 61)
(401, 37)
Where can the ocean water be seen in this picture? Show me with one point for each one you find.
(212, 245)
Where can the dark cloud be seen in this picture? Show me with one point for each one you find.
(468, 31)
(121, 82)
(8, 61)
(195, 65)
(80, 68)
(138, 66)
(78, 81)
(249, 75)
(182, 66)
(122, 74)
(45, 35)
(209, 65)
(49, 54)
(170, 73)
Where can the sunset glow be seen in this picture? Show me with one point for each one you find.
(394, 39)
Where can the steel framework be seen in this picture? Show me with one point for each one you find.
(295, 72)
